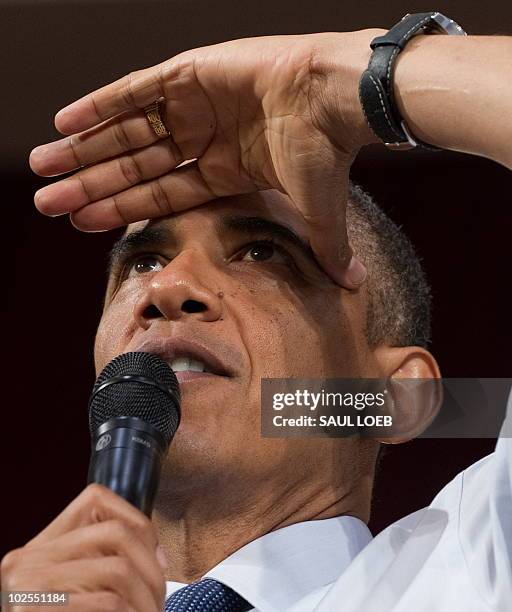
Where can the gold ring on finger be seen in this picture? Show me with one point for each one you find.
(155, 120)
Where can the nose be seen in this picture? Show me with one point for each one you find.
(177, 292)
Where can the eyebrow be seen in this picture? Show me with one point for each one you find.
(154, 237)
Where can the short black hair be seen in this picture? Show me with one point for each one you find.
(399, 294)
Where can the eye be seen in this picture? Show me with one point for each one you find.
(264, 251)
(143, 265)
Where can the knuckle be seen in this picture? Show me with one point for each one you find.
(142, 523)
(110, 602)
(120, 570)
(160, 81)
(17, 580)
(142, 528)
(160, 198)
(94, 494)
(74, 147)
(121, 210)
(121, 136)
(96, 500)
(127, 93)
(130, 170)
(119, 530)
(175, 151)
(10, 561)
(85, 189)
(92, 98)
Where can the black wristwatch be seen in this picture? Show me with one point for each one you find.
(376, 84)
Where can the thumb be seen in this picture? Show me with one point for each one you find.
(329, 241)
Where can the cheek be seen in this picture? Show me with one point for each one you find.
(291, 332)
(115, 329)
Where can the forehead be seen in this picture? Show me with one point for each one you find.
(270, 204)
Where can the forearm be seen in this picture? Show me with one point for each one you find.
(456, 93)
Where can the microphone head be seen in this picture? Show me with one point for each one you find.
(137, 385)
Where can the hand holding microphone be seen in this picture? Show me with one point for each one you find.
(101, 549)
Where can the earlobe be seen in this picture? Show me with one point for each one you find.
(414, 391)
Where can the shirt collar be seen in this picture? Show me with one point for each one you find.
(278, 569)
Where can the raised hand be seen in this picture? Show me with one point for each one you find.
(264, 113)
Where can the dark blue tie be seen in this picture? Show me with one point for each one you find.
(207, 595)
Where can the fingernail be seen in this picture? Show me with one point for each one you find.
(356, 272)
(160, 555)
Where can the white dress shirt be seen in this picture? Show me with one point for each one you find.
(292, 565)
(453, 556)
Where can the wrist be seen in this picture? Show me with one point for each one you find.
(376, 87)
(340, 59)
(453, 93)
(422, 86)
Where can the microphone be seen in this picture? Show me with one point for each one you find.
(134, 412)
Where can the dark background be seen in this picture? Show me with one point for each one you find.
(455, 208)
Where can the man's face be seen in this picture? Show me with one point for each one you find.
(229, 285)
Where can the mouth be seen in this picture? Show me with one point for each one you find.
(187, 369)
(188, 359)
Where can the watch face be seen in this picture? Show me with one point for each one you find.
(445, 24)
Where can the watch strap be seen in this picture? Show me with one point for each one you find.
(376, 85)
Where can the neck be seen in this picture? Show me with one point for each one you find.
(196, 536)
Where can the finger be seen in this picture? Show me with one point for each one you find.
(115, 574)
(109, 139)
(329, 239)
(179, 190)
(329, 242)
(109, 538)
(107, 601)
(94, 505)
(108, 178)
(133, 91)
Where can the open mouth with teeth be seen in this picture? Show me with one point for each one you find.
(188, 368)
(187, 364)
(189, 360)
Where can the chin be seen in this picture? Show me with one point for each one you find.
(193, 455)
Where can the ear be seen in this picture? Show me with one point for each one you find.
(414, 391)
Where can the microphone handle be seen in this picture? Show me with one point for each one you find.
(126, 457)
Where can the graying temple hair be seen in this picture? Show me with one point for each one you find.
(399, 295)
